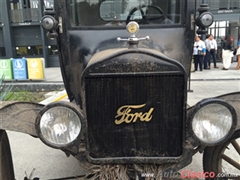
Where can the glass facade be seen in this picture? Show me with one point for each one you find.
(216, 5)
(21, 34)
(223, 28)
(226, 20)
(220, 29)
(23, 51)
(24, 11)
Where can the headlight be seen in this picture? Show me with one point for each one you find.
(213, 121)
(204, 20)
(58, 124)
(49, 23)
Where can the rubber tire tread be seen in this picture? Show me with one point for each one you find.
(6, 164)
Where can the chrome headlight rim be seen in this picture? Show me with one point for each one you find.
(195, 140)
(67, 105)
(53, 23)
(200, 18)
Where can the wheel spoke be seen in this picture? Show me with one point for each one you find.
(230, 161)
(224, 159)
(236, 145)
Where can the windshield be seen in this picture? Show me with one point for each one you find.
(120, 12)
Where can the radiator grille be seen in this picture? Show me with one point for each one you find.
(160, 137)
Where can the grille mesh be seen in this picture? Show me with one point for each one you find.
(160, 137)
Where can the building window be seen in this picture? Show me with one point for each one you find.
(23, 51)
(221, 4)
(52, 50)
(24, 11)
(222, 28)
(229, 4)
(49, 3)
(27, 10)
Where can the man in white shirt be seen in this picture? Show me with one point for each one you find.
(211, 46)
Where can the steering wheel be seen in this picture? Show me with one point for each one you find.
(146, 17)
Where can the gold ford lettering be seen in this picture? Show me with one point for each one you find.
(124, 114)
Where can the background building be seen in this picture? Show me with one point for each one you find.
(22, 36)
(226, 19)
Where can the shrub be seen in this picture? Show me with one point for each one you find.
(5, 90)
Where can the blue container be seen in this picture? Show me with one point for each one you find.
(19, 68)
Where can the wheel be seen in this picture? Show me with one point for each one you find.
(145, 16)
(6, 164)
(224, 159)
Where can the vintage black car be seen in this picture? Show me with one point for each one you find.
(126, 66)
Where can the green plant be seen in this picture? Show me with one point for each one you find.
(5, 90)
(6, 94)
(26, 96)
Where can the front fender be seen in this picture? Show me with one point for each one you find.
(234, 100)
(231, 98)
(19, 116)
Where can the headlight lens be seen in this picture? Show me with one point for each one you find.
(207, 19)
(212, 123)
(49, 23)
(59, 126)
(204, 20)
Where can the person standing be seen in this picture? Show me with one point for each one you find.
(238, 53)
(211, 46)
(199, 51)
(206, 61)
(227, 49)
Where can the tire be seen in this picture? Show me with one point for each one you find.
(6, 164)
(213, 159)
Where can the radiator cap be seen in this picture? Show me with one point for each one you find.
(133, 27)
